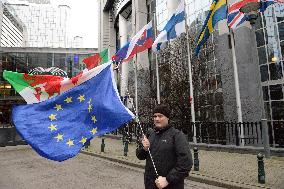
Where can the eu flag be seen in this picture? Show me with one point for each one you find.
(58, 128)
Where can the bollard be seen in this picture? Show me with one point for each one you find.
(125, 150)
(261, 171)
(196, 160)
(103, 145)
(87, 144)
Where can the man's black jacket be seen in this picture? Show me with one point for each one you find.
(171, 154)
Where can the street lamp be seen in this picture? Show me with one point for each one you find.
(251, 11)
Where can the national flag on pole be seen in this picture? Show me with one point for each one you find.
(58, 128)
(174, 28)
(38, 88)
(142, 41)
(236, 17)
(218, 12)
(97, 59)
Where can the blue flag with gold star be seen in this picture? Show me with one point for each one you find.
(58, 128)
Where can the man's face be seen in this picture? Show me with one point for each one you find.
(160, 120)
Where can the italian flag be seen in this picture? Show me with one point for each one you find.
(97, 59)
(38, 88)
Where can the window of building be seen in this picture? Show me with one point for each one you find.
(270, 43)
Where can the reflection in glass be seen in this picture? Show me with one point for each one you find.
(259, 38)
(267, 110)
(276, 92)
(272, 46)
(281, 30)
(277, 110)
(275, 71)
(262, 58)
(264, 73)
(258, 23)
(265, 93)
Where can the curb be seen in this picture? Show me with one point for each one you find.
(193, 176)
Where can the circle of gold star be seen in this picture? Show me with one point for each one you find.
(59, 137)
(52, 127)
(70, 142)
(58, 107)
(94, 119)
(52, 117)
(83, 140)
(94, 131)
(68, 100)
(81, 98)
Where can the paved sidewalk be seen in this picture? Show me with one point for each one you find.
(223, 169)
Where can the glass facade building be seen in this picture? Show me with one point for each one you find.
(12, 30)
(23, 60)
(269, 34)
(206, 77)
(47, 25)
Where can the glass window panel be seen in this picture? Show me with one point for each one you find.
(281, 30)
(275, 71)
(269, 16)
(264, 73)
(276, 92)
(282, 47)
(265, 93)
(278, 10)
(267, 110)
(258, 23)
(262, 58)
(260, 38)
(272, 43)
(277, 110)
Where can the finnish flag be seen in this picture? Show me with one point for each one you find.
(174, 28)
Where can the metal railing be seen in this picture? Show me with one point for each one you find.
(223, 133)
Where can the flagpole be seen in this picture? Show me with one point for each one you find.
(192, 111)
(157, 63)
(136, 98)
(237, 88)
(136, 84)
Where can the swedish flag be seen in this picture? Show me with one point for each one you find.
(218, 11)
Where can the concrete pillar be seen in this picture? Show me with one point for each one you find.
(248, 72)
(124, 67)
(139, 19)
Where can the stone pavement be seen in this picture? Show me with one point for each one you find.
(224, 169)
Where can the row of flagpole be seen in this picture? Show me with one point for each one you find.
(226, 12)
(191, 88)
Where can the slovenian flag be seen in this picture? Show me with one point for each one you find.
(142, 41)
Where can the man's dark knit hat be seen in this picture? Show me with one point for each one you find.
(162, 109)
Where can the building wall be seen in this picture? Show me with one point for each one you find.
(47, 26)
(12, 32)
(107, 32)
(260, 78)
